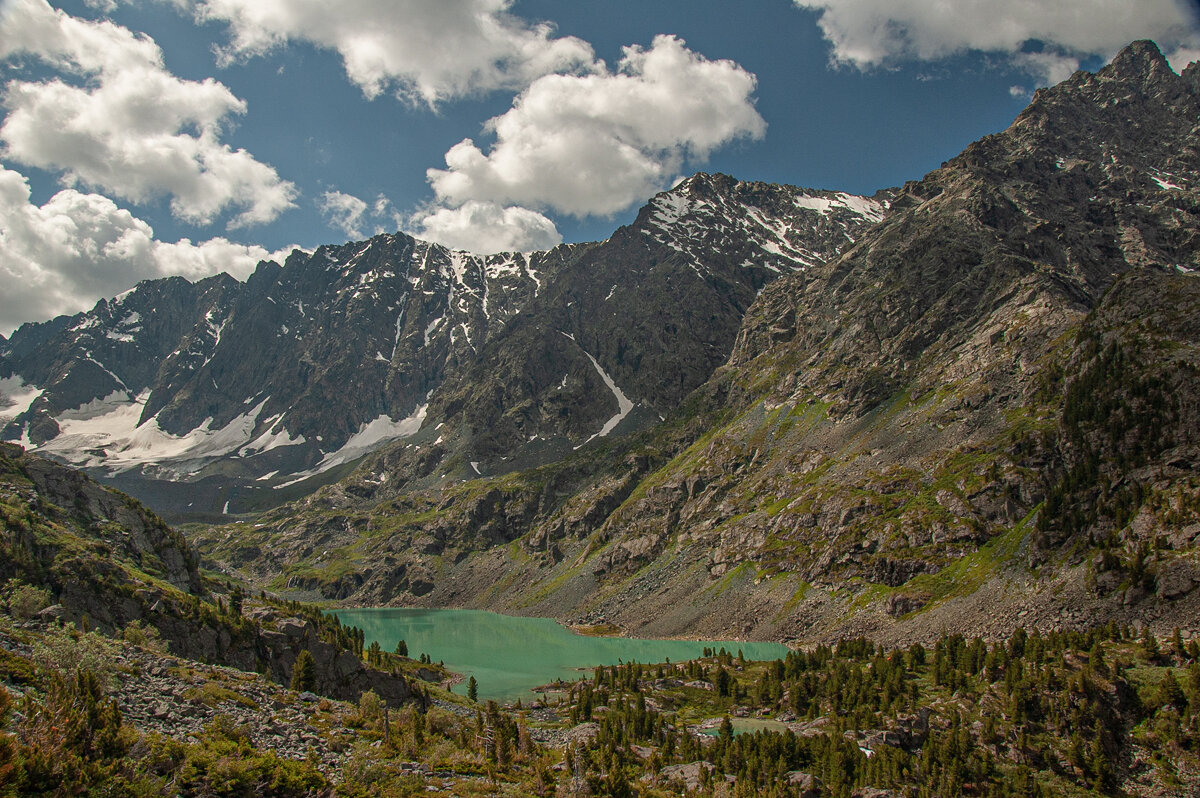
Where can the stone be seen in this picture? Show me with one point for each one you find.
(806, 784)
(1176, 579)
(688, 775)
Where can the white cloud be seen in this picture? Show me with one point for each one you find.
(132, 129)
(63, 256)
(344, 211)
(868, 33)
(594, 144)
(351, 215)
(486, 228)
(1184, 55)
(424, 50)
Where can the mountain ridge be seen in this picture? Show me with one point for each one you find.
(246, 388)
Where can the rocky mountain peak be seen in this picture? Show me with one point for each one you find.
(1139, 62)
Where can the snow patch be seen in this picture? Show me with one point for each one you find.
(432, 326)
(16, 396)
(624, 406)
(370, 436)
(1165, 185)
(104, 368)
(273, 438)
(537, 284)
(105, 432)
(458, 266)
(475, 465)
(862, 206)
(670, 208)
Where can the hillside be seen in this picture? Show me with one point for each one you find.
(75, 552)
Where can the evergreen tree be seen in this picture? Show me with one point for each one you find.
(304, 677)
(473, 689)
(1170, 694)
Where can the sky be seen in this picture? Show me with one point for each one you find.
(146, 138)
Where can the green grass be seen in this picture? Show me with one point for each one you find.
(969, 573)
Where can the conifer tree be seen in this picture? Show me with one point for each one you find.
(304, 677)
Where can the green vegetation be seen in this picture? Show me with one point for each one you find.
(303, 676)
(1103, 712)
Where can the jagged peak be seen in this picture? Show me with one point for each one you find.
(1137, 60)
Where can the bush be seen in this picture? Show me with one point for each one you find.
(68, 651)
(370, 706)
(225, 763)
(146, 637)
(25, 601)
(71, 737)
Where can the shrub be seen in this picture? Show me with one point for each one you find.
(68, 651)
(25, 601)
(146, 637)
(370, 706)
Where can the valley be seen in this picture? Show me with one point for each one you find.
(928, 457)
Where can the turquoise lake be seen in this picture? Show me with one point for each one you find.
(508, 656)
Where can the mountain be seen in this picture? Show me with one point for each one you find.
(218, 396)
(979, 413)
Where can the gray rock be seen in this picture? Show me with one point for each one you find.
(1177, 578)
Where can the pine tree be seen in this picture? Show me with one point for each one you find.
(304, 677)
(473, 689)
(1170, 694)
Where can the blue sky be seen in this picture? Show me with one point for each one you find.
(141, 138)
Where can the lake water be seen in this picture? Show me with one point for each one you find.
(508, 656)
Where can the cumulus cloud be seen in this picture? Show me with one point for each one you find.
(344, 211)
(594, 144)
(868, 33)
(486, 228)
(352, 215)
(132, 128)
(423, 50)
(63, 256)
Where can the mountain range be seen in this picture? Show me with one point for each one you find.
(962, 404)
(239, 389)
